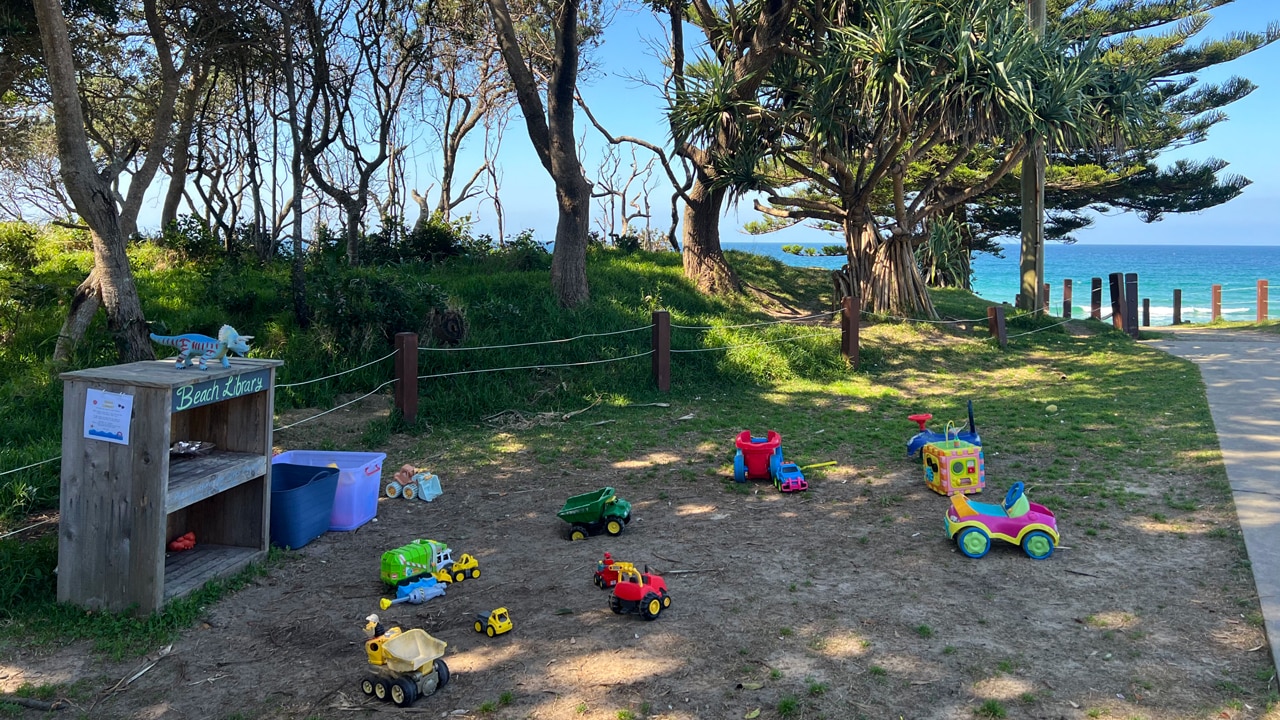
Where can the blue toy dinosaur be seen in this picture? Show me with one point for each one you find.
(201, 348)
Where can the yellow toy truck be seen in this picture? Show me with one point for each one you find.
(495, 623)
(407, 665)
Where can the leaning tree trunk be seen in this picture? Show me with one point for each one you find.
(704, 261)
(91, 194)
(84, 305)
(897, 288)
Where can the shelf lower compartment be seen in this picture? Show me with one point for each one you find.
(192, 480)
(188, 570)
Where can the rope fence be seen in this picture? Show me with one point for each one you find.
(1124, 315)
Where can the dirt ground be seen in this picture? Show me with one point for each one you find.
(843, 602)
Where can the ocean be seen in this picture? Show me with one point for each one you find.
(1161, 269)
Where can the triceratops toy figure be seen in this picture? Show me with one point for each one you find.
(200, 348)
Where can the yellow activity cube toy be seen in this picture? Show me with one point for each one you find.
(953, 467)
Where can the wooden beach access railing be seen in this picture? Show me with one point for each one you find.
(1124, 302)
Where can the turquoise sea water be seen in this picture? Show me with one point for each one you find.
(1160, 269)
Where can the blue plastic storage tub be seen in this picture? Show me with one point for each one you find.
(359, 483)
(301, 503)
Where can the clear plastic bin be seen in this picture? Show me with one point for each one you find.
(359, 483)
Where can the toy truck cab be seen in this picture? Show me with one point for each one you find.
(496, 622)
(641, 593)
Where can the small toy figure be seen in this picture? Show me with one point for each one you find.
(606, 575)
(407, 665)
(496, 622)
(926, 436)
(589, 513)
(1018, 521)
(411, 483)
(760, 458)
(199, 348)
(637, 592)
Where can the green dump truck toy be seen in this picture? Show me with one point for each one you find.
(592, 512)
(422, 558)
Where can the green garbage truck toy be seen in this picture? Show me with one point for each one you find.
(592, 512)
(425, 557)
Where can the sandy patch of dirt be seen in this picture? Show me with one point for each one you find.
(845, 602)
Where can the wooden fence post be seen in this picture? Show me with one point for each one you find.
(1044, 299)
(1131, 304)
(1146, 312)
(995, 325)
(849, 329)
(406, 392)
(1262, 301)
(1066, 299)
(1095, 299)
(662, 350)
(1215, 303)
(1177, 307)
(1115, 281)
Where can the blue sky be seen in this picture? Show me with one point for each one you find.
(1249, 141)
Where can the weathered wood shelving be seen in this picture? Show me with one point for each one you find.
(121, 504)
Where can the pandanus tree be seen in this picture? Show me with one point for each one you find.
(869, 123)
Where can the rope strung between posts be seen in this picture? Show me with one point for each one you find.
(755, 324)
(540, 342)
(28, 467)
(338, 407)
(752, 344)
(536, 367)
(338, 374)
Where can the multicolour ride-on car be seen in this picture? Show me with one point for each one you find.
(1018, 521)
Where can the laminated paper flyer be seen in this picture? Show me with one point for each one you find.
(107, 415)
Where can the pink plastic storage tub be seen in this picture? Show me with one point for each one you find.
(359, 483)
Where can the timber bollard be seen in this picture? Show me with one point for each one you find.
(995, 325)
(1115, 282)
(662, 350)
(1131, 304)
(1262, 301)
(1215, 304)
(1095, 299)
(1177, 307)
(1066, 299)
(406, 369)
(849, 328)
(1044, 300)
(1146, 312)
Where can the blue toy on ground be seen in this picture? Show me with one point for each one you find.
(926, 436)
(415, 593)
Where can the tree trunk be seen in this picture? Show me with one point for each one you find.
(569, 259)
(92, 196)
(704, 261)
(84, 305)
(897, 288)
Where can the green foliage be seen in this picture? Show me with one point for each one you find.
(190, 236)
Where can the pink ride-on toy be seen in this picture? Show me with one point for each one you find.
(761, 459)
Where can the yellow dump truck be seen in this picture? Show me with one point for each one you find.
(406, 665)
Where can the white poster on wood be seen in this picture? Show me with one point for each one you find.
(107, 416)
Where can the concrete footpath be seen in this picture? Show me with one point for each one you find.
(1241, 371)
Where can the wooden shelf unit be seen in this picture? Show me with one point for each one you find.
(121, 504)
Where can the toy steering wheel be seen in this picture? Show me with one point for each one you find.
(1011, 497)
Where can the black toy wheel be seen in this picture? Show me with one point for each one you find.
(442, 673)
(613, 526)
(366, 686)
(404, 692)
(615, 604)
(577, 532)
(651, 607)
